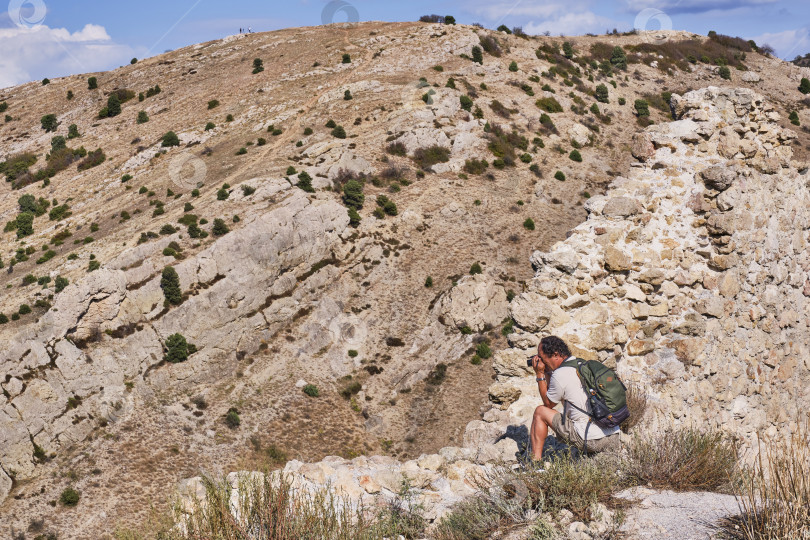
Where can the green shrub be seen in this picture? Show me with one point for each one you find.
(794, 118)
(354, 217)
(466, 102)
(347, 59)
(347, 95)
(387, 205)
(241, 152)
(305, 182)
(428, 156)
(549, 104)
(60, 283)
(804, 87)
(25, 309)
(170, 139)
(170, 283)
(528, 224)
(513, 66)
(219, 228)
(3, 318)
(477, 55)
(69, 497)
(339, 132)
(475, 269)
(258, 65)
(49, 123)
(724, 73)
(232, 419)
(213, 104)
(229, 118)
(601, 93)
(209, 126)
(475, 166)
(142, 117)
(92, 83)
(642, 107)
(311, 390)
(568, 50)
(575, 156)
(93, 159)
(483, 350)
(177, 349)
(618, 58)
(429, 282)
(46, 81)
(24, 224)
(353, 196)
(113, 105)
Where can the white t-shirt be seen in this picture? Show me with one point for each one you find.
(565, 387)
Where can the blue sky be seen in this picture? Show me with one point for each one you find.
(40, 38)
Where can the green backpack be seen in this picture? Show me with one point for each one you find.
(607, 396)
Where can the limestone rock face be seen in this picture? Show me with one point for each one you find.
(476, 302)
(54, 355)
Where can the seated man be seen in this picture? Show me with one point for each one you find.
(562, 384)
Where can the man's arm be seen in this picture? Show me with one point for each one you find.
(542, 383)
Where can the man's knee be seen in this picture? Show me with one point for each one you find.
(543, 414)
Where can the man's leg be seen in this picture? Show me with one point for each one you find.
(543, 417)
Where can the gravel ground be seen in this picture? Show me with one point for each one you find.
(667, 515)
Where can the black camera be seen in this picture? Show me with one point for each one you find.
(529, 362)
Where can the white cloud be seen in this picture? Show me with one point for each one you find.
(789, 43)
(572, 24)
(28, 54)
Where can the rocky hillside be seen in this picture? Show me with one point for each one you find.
(690, 276)
(465, 167)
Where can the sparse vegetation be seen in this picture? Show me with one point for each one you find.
(170, 139)
(69, 497)
(549, 104)
(305, 182)
(311, 390)
(428, 156)
(170, 283)
(92, 83)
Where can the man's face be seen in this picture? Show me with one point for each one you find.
(546, 358)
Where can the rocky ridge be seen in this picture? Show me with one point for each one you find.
(689, 276)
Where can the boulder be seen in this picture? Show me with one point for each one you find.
(642, 146)
(622, 207)
(476, 302)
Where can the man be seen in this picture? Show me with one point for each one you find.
(562, 384)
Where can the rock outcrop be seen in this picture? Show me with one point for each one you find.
(690, 277)
(72, 369)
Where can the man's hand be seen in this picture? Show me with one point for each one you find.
(539, 367)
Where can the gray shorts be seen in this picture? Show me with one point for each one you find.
(566, 432)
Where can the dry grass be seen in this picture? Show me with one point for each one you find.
(510, 498)
(270, 508)
(637, 404)
(683, 460)
(775, 498)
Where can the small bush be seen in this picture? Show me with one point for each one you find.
(475, 269)
(93, 159)
(92, 83)
(387, 205)
(428, 156)
(642, 107)
(353, 196)
(69, 497)
(429, 282)
(49, 123)
(219, 228)
(311, 390)
(397, 149)
(466, 102)
(347, 58)
(305, 182)
(241, 152)
(477, 54)
(170, 139)
(549, 104)
(724, 72)
(475, 166)
(339, 132)
(142, 117)
(213, 104)
(437, 375)
(804, 87)
(232, 419)
(513, 67)
(575, 156)
(258, 65)
(209, 126)
(686, 459)
(177, 349)
(25, 309)
(794, 118)
(618, 58)
(170, 283)
(528, 224)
